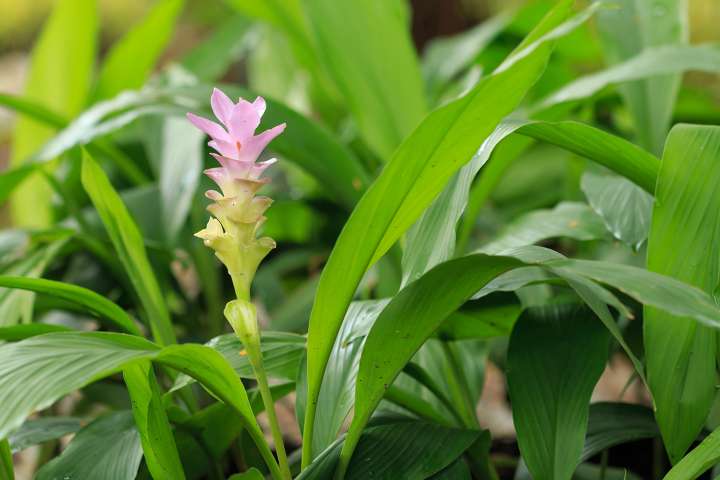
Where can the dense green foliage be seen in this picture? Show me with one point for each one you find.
(479, 200)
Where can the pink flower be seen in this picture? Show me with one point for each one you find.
(235, 141)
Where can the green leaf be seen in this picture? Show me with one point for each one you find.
(684, 236)
(281, 352)
(17, 305)
(368, 72)
(456, 471)
(108, 448)
(404, 449)
(211, 58)
(418, 171)
(555, 357)
(128, 243)
(337, 393)
(431, 240)
(615, 153)
(7, 468)
(446, 57)
(59, 78)
(627, 30)
(650, 63)
(131, 59)
(34, 373)
(181, 161)
(699, 460)
(612, 424)
(567, 219)
(21, 332)
(37, 371)
(252, 474)
(156, 436)
(428, 301)
(215, 374)
(41, 430)
(624, 207)
(91, 301)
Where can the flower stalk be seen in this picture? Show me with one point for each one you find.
(237, 215)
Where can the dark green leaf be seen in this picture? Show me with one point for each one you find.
(612, 424)
(555, 357)
(34, 432)
(108, 448)
(684, 236)
(410, 450)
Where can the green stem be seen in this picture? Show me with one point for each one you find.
(457, 378)
(308, 428)
(243, 318)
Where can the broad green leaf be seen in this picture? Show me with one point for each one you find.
(418, 171)
(624, 207)
(93, 302)
(59, 79)
(684, 236)
(181, 161)
(592, 143)
(405, 449)
(35, 372)
(650, 63)
(567, 219)
(156, 436)
(613, 152)
(369, 73)
(108, 448)
(211, 58)
(41, 430)
(612, 424)
(131, 59)
(555, 356)
(282, 353)
(215, 374)
(128, 243)
(428, 301)
(446, 57)
(699, 460)
(627, 30)
(337, 393)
